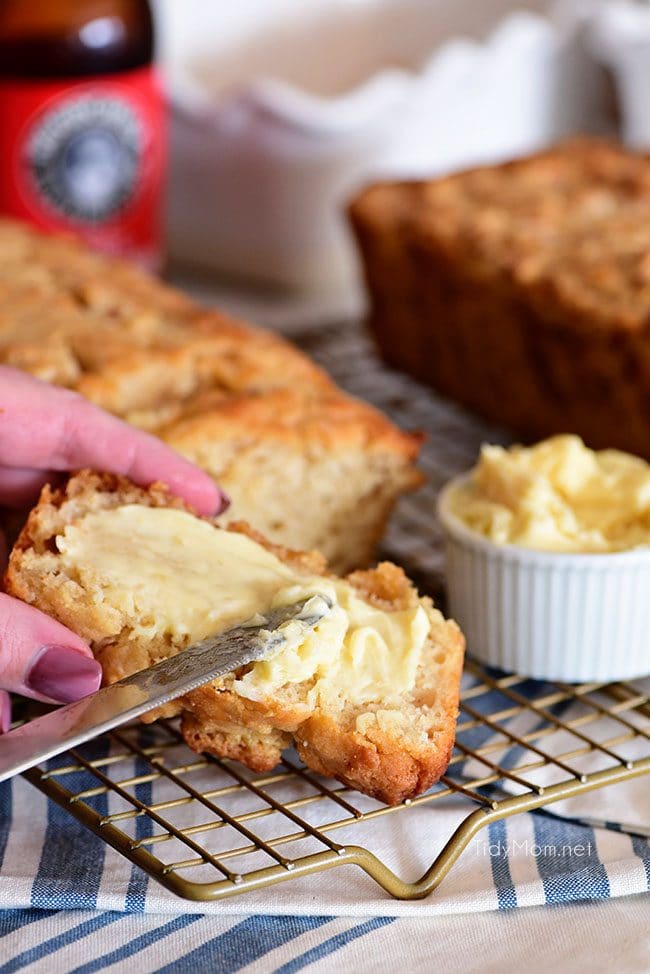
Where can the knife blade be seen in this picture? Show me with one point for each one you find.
(74, 723)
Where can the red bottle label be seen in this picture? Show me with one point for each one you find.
(87, 156)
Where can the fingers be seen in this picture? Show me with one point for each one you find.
(43, 427)
(40, 658)
(5, 712)
(20, 486)
(102, 442)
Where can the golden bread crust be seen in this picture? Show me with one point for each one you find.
(531, 276)
(391, 752)
(246, 405)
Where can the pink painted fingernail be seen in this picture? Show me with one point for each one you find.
(5, 713)
(63, 674)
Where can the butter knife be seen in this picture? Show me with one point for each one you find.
(71, 725)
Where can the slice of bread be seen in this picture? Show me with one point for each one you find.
(389, 740)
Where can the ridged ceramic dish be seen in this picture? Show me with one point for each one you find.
(620, 38)
(273, 132)
(557, 616)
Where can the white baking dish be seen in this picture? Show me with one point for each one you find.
(274, 130)
(561, 616)
(620, 37)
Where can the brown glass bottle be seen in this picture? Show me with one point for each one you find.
(82, 121)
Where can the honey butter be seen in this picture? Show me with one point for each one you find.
(557, 496)
(170, 574)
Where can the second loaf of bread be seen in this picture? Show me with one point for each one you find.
(522, 290)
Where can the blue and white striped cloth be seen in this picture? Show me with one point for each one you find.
(49, 861)
(70, 903)
(571, 936)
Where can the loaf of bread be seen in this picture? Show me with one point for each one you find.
(370, 697)
(521, 290)
(306, 464)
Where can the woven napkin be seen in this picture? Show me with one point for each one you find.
(626, 738)
(50, 860)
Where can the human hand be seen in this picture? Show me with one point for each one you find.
(45, 430)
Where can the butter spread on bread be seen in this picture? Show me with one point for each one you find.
(183, 576)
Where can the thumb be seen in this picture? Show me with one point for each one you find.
(40, 658)
(5, 712)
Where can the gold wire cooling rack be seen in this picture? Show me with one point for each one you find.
(209, 829)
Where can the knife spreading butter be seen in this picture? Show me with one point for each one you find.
(181, 576)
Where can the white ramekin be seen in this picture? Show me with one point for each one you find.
(549, 615)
